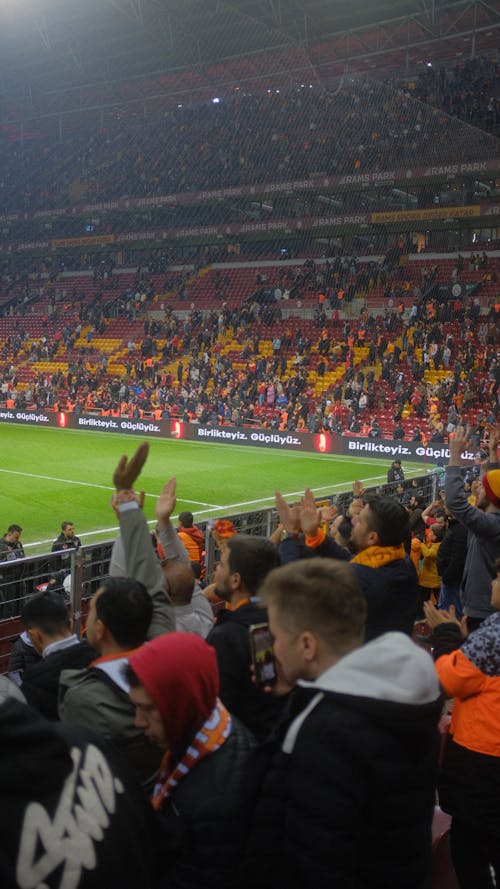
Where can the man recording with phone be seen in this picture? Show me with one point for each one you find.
(244, 563)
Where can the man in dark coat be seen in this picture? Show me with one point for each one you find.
(47, 623)
(395, 472)
(244, 563)
(200, 791)
(385, 573)
(450, 564)
(347, 794)
(67, 538)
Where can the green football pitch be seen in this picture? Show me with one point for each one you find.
(53, 475)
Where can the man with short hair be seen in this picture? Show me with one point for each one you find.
(48, 627)
(244, 563)
(347, 798)
(97, 697)
(10, 544)
(386, 575)
(67, 538)
(191, 536)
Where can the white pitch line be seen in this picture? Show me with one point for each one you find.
(69, 481)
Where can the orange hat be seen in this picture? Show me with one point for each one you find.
(491, 484)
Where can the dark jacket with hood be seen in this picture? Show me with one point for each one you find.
(230, 637)
(69, 814)
(348, 797)
(204, 815)
(391, 591)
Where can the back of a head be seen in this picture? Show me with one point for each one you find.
(389, 519)
(180, 672)
(46, 612)
(252, 558)
(186, 519)
(125, 608)
(319, 595)
(180, 579)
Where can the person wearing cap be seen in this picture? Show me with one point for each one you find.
(200, 791)
(482, 522)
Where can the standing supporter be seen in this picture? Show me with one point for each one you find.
(48, 626)
(10, 544)
(359, 738)
(70, 815)
(193, 613)
(429, 579)
(469, 785)
(97, 696)
(122, 614)
(174, 686)
(243, 565)
(450, 564)
(67, 538)
(385, 573)
(481, 521)
(395, 472)
(191, 536)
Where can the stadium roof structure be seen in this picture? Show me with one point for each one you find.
(50, 49)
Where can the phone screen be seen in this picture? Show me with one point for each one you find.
(261, 642)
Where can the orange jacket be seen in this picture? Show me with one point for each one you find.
(475, 722)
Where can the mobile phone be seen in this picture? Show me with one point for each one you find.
(261, 644)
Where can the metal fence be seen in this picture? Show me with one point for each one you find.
(77, 574)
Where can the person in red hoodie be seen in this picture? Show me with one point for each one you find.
(204, 773)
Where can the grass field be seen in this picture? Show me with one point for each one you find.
(50, 475)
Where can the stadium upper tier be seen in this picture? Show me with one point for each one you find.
(364, 126)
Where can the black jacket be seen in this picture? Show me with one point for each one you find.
(206, 817)
(452, 554)
(395, 474)
(69, 808)
(63, 543)
(391, 591)
(41, 681)
(230, 638)
(347, 797)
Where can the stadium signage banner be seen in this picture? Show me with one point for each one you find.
(320, 443)
(297, 185)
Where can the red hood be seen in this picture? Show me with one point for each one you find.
(180, 672)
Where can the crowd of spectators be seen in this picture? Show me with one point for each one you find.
(469, 91)
(216, 367)
(363, 126)
(293, 776)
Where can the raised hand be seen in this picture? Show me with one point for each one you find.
(165, 504)
(459, 442)
(310, 516)
(127, 470)
(288, 515)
